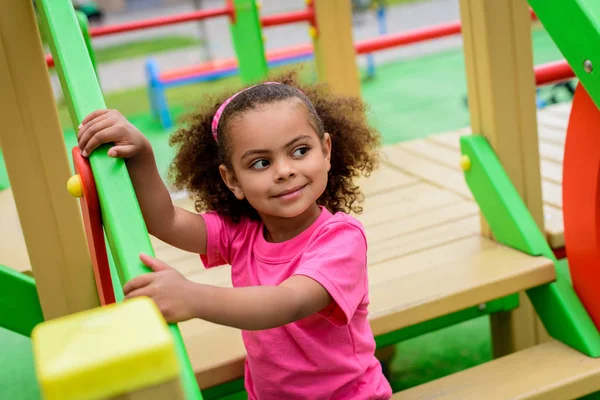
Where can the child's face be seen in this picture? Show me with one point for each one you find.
(280, 165)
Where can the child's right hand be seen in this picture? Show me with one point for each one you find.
(109, 126)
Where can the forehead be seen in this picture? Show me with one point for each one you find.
(270, 126)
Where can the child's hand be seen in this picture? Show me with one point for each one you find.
(109, 126)
(170, 290)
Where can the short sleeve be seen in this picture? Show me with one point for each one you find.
(220, 232)
(337, 259)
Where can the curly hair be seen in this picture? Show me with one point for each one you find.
(354, 153)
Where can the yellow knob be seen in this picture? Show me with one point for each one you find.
(259, 5)
(465, 162)
(308, 2)
(74, 186)
(312, 32)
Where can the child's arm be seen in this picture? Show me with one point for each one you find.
(248, 308)
(171, 224)
(260, 307)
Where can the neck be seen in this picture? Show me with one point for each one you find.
(281, 229)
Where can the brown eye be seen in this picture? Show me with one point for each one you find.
(260, 164)
(299, 152)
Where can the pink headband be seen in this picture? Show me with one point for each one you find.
(217, 117)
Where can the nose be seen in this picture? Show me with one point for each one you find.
(284, 169)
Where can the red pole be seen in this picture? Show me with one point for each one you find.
(160, 21)
(400, 39)
(553, 72)
(287, 18)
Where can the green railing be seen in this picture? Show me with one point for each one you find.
(124, 225)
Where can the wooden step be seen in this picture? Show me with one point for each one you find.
(405, 290)
(550, 371)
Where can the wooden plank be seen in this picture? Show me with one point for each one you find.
(411, 200)
(395, 247)
(555, 228)
(552, 194)
(427, 170)
(428, 220)
(551, 171)
(437, 148)
(13, 251)
(561, 109)
(334, 50)
(383, 180)
(432, 290)
(552, 135)
(497, 51)
(36, 161)
(551, 152)
(434, 152)
(447, 278)
(545, 372)
(548, 118)
(450, 140)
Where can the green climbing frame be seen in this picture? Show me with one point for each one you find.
(123, 222)
(246, 34)
(556, 303)
(574, 25)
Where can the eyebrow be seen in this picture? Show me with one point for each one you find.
(263, 151)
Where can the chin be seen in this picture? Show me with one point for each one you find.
(291, 211)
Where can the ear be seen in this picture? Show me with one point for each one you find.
(326, 146)
(232, 183)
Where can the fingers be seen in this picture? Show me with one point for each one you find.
(107, 135)
(84, 128)
(124, 151)
(88, 132)
(153, 263)
(92, 115)
(138, 283)
(136, 293)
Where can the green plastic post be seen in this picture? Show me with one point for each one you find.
(123, 222)
(574, 25)
(85, 31)
(20, 309)
(556, 303)
(246, 34)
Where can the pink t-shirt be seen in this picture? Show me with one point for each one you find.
(329, 355)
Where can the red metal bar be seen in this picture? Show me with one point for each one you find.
(401, 39)
(287, 18)
(160, 21)
(411, 37)
(553, 72)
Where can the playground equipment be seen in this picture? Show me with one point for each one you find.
(158, 82)
(444, 280)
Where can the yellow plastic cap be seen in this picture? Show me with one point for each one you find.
(74, 186)
(104, 352)
(312, 32)
(465, 162)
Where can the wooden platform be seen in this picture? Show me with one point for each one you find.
(426, 255)
(435, 161)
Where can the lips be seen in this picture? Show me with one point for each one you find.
(292, 190)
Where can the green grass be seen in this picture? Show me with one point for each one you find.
(144, 47)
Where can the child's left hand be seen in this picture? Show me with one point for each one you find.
(170, 290)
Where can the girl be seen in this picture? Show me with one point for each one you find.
(274, 167)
